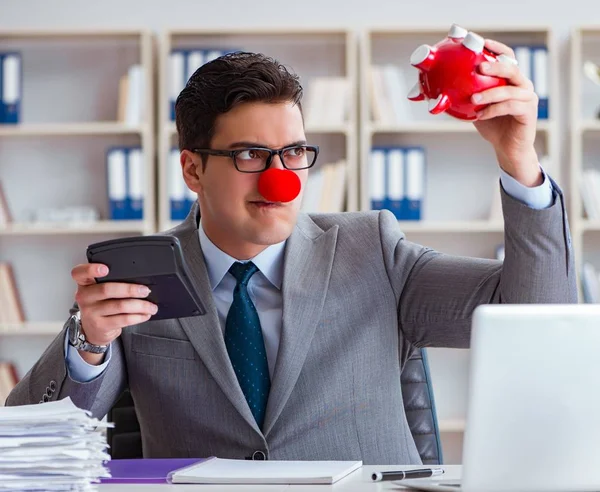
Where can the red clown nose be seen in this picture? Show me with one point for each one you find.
(279, 185)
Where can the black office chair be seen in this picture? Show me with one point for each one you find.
(125, 439)
(419, 406)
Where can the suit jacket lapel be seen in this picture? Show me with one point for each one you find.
(308, 262)
(204, 331)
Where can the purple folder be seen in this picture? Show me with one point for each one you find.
(148, 470)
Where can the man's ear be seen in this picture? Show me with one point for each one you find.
(191, 169)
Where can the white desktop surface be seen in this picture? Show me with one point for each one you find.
(359, 481)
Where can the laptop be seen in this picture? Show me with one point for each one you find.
(533, 412)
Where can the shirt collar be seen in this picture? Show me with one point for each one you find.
(269, 261)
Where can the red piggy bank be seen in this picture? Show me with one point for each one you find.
(449, 76)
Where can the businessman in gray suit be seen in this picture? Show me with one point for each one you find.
(310, 317)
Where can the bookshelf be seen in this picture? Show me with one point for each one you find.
(585, 150)
(55, 157)
(455, 219)
(311, 53)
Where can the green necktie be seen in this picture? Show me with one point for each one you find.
(245, 344)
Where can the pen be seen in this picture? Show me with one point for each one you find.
(401, 475)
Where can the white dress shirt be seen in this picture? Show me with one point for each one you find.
(264, 286)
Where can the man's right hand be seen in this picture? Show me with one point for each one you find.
(107, 308)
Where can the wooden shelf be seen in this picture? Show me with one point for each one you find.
(344, 129)
(443, 29)
(589, 225)
(584, 135)
(465, 226)
(37, 328)
(72, 33)
(435, 127)
(590, 126)
(451, 425)
(69, 129)
(99, 227)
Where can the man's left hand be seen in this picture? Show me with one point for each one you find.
(509, 122)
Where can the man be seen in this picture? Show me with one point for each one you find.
(310, 318)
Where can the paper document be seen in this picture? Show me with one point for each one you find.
(217, 470)
(53, 446)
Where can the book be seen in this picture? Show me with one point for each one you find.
(149, 470)
(229, 471)
(5, 215)
(8, 380)
(11, 306)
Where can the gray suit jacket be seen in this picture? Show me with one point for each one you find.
(357, 298)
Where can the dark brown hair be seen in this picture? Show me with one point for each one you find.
(221, 84)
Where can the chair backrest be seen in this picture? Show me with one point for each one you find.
(419, 406)
(125, 438)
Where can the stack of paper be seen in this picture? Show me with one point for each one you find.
(51, 446)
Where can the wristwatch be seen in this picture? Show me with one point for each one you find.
(77, 337)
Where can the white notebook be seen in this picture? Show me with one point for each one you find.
(219, 470)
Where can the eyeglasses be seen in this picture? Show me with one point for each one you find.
(258, 159)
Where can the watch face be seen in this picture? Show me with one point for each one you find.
(73, 330)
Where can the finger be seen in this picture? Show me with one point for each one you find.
(511, 107)
(503, 93)
(113, 290)
(87, 273)
(123, 320)
(113, 307)
(499, 48)
(507, 71)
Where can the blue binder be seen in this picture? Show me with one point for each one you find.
(541, 75)
(415, 182)
(396, 182)
(12, 87)
(178, 205)
(183, 69)
(177, 73)
(377, 178)
(116, 178)
(135, 183)
(2, 117)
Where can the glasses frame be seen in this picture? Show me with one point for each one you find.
(272, 152)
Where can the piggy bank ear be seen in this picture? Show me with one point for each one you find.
(415, 93)
(457, 32)
(439, 104)
(474, 42)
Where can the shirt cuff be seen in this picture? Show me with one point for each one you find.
(79, 370)
(536, 197)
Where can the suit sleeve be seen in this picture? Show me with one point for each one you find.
(437, 293)
(50, 371)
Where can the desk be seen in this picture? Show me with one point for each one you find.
(359, 481)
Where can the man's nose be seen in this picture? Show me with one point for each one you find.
(276, 162)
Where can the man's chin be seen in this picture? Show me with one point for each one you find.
(273, 230)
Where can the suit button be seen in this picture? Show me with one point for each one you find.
(48, 392)
(53, 386)
(45, 398)
(259, 455)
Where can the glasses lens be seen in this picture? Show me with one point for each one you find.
(299, 157)
(251, 160)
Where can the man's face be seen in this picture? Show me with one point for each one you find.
(233, 212)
